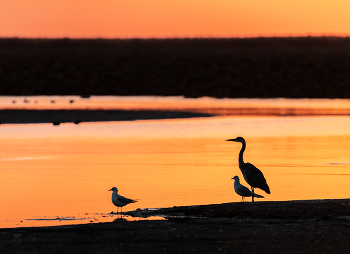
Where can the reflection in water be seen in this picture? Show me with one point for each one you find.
(65, 171)
(226, 106)
(43, 221)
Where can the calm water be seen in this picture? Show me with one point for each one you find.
(64, 172)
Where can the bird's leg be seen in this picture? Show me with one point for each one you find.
(242, 200)
(253, 192)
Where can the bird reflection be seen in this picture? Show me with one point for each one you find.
(253, 176)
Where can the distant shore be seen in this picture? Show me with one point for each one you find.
(57, 117)
(309, 226)
(304, 67)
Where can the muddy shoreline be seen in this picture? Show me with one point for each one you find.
(310, 226)
(57, 117)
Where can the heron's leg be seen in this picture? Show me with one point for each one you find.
(242, 200)
(253, 192)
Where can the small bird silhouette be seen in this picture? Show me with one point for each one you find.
(243, 191)
(118, 200)
(253, 176)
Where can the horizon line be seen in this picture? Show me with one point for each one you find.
(180, 37)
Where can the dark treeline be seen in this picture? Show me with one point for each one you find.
(306, 67)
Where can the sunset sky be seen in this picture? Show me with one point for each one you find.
(173, 18)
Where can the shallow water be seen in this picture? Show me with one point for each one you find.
(64, 171)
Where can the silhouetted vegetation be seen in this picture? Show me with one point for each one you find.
(313, 67)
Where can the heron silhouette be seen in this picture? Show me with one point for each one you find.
(253, 176)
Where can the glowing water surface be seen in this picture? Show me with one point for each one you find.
(55, 175)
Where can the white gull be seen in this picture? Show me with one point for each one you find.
(118, 200)
(243, 191)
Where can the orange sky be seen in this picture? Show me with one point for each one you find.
(172, 18)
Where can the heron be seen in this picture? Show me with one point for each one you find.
(118, 200)
(253, 176)
(243, 191)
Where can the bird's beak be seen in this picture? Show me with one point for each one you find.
(230, 140)
(232, 178)
(110, 190)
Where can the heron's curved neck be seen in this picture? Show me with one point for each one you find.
(240, 157)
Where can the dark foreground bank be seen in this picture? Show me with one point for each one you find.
(306, 67)
(316, 226)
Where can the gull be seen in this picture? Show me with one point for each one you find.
(118, 200)
(242, 190)
(253, 176)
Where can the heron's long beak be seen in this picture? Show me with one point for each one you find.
(110, 190)
(230, 139)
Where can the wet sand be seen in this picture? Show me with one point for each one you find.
(315, 226)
